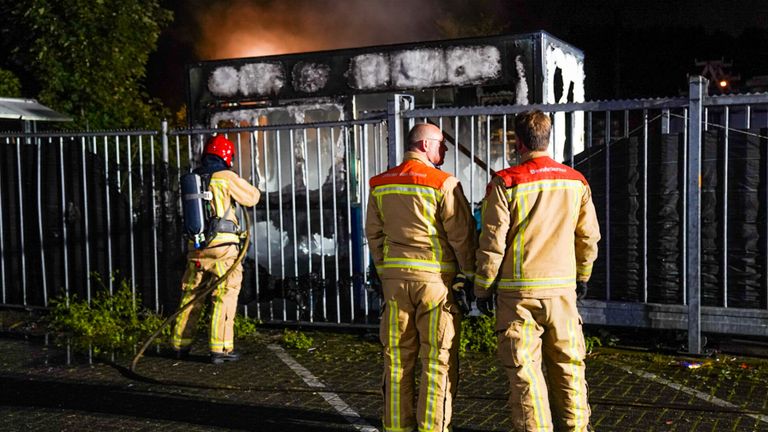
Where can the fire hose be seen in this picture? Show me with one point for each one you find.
(200, 294)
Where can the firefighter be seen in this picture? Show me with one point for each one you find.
(538, 241)
(422, 238)
(217, 256)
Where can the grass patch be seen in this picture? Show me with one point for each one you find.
(295, 339)
(109, 323)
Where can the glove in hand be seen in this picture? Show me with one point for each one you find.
(374, 283)
(486, 305)
(462, 292)
(581, 290)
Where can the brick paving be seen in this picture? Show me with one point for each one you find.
(44, 388)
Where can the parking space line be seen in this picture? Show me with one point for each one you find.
(693, 392)
(332, 398)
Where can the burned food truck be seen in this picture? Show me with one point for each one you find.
(314, 176)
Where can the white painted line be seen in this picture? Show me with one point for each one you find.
(332, 398)
(693, 392)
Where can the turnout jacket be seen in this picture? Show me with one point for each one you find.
(418, 223)
(227, 186)
(539, 230)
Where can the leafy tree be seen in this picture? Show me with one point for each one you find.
(86, 58)
(10, 86)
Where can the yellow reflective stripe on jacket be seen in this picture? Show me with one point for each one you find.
(218, 186)
(430, 198)
(483, 282)
(534, 283)
(520, 195)
(417, 264)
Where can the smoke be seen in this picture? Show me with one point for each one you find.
(250, 28)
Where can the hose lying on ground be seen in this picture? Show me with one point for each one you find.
(200, 294)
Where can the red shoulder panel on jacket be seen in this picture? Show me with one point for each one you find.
(411, 172)
(540, 168)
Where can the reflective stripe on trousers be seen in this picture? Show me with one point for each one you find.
(420, 320)
(544, 331)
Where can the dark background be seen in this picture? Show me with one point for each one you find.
(632, 48)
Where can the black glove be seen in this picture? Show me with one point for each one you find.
(374, 283)
(581, 290)
(462, 292)
(486, 305)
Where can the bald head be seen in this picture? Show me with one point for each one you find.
(421, 132)
(427, 139)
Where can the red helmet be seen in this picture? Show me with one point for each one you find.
(220, 146)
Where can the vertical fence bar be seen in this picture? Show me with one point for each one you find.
(572, 140)
(748, 117)
(363, 176)
(697, 86)
(268, 218)
(665, 121)
(278, 152)
(108, 213)
(322, 219)
(724, 258)
(505, 159)
(130, 221)
(294, 207)
(2, 238)
(347, 179)
(64, 246)
(305, 153)
(43, 272)
(472, 164)
(607, 205)
(645, 206)
(684, 215)
(22, 251)
(87, 239)
(336, 223)
(456, 146)
(487, 149)
(253, 144)
(155, 266)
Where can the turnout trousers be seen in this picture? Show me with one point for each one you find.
(202, 266)
(420, 321)
(532, 331)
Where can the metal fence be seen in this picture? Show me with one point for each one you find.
(83, 213)
(681, 190)
(680, 186)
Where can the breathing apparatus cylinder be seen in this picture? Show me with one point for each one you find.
(194, 197)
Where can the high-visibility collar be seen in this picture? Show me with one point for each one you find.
(414, 170)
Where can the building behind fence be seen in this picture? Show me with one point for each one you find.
(680, 186)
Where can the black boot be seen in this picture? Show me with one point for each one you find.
(221, 357)
(181, 354)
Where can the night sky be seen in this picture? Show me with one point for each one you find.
(632, 49)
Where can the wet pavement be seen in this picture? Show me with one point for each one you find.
(335, 385)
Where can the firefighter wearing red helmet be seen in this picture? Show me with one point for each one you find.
(217, 256)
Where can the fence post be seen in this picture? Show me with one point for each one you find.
(164, 140)
(395, 106)
(697, 91)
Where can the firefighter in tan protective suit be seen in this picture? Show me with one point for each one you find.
(422, 237)
(216, 257)
(537, 245)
